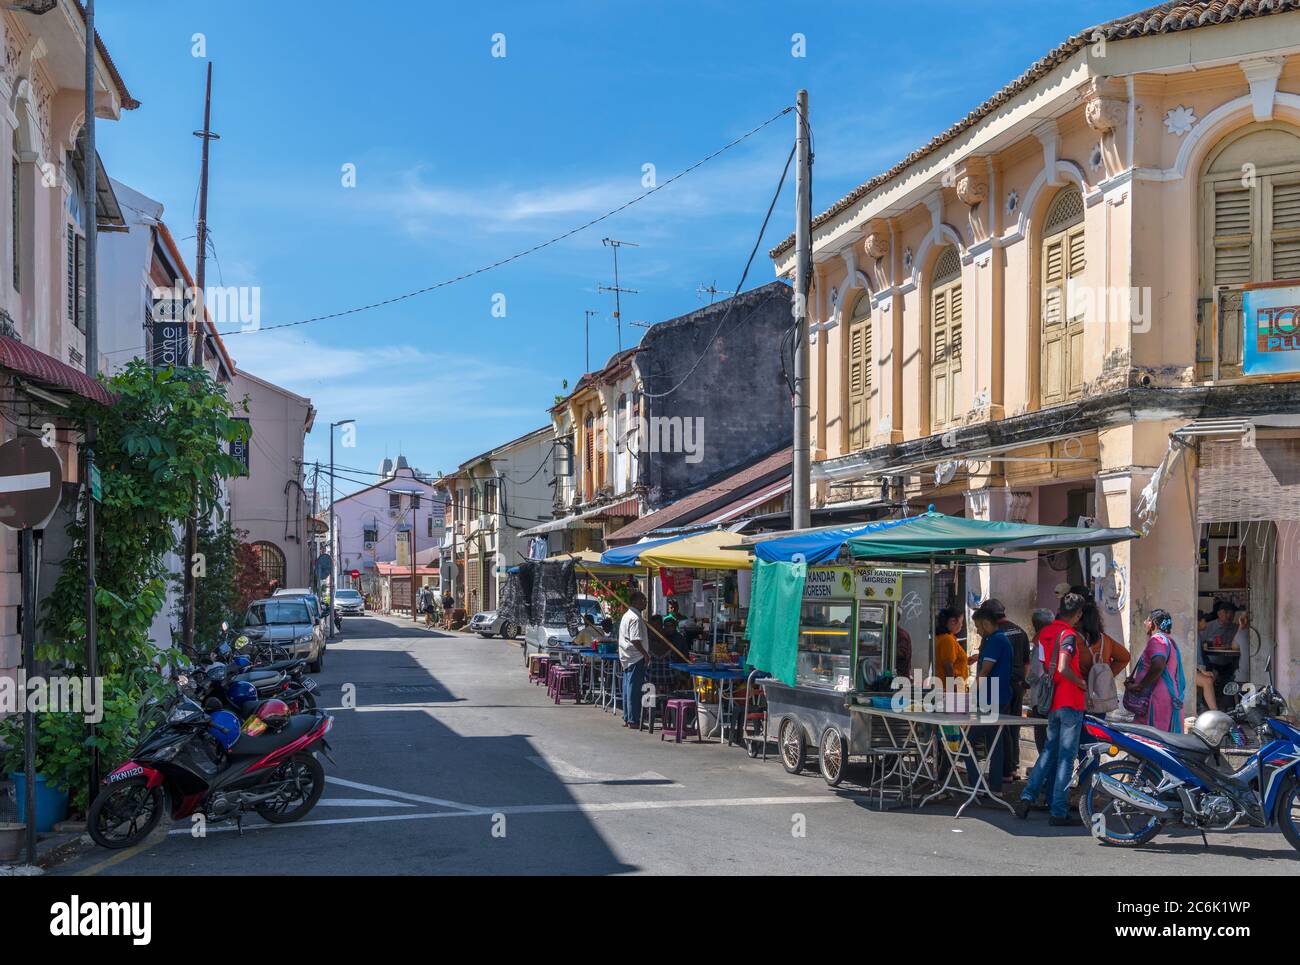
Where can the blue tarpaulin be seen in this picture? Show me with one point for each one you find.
(627, 555)
(821, 546)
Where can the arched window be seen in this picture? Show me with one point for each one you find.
(945, 337)
(859, 369)
(1250, 232)
(270, 560)
(1061, 368)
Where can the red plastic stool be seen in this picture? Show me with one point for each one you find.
(565, 685)
(537, 664)
(675, 719)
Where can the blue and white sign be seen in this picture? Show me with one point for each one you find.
(1271, 317)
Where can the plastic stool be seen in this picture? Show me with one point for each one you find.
(565, 685)
(675, 718)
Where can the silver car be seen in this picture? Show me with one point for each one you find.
(350, 603)
(489, 624)
(287, 621)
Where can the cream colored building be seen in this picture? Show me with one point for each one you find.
(1039, 312)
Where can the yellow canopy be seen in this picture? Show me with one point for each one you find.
(704, 551)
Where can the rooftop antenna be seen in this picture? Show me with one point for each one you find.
(618, 313)
(712, 290)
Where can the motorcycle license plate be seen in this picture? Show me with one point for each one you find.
(310, 685)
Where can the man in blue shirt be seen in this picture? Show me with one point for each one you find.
(993, 691)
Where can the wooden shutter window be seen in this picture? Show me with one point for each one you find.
(945, 337)
(1284, 227)
(1061, 371)
(859, 378)
(1234, 232)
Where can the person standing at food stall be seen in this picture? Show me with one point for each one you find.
(633, 652)
(1019, 641)
(1067, 658)
(993, 690)
(951, 664)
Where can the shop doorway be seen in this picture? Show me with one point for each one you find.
(1237, 562)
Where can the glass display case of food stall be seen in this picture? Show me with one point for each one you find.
(845, 647)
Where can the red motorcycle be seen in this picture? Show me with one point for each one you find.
(191, 765)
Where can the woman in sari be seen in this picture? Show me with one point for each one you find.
(1158, 676)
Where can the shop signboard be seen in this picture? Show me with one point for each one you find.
(829, 583)
(1271, 339)
(878, 584)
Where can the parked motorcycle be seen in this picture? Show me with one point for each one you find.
(194, 764)
(1184, 779)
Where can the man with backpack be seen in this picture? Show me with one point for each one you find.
(1060, 695)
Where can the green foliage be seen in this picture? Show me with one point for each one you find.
(217, 594)
(63, 744)
(162, 448)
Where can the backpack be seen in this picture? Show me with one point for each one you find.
(1042, 683)
(1102, 696)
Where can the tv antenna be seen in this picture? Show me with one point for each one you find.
(712, 290)
(618, 306)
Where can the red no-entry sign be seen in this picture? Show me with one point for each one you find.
(31, 480)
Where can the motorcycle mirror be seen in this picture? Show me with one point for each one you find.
(224, 626)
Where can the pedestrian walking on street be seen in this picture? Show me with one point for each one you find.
(633, 652)
(1154, 692)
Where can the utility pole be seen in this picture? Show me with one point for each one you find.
(199, 307)
(91, 167)
(801, 513)
(414, 616)
(333, 556)
(586, 324)
(618, 306)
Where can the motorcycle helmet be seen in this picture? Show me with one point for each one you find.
(274, 712)
(243, 695)
(1212, 726)
(241, 663)
(225, 728)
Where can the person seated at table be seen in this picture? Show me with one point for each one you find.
(1204, 679)
(607, 625)
(994, 692)
(674, 615)
(588, 634)
(951, 664)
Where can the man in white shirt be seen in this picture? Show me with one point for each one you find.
(633, 651)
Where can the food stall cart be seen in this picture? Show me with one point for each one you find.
(812, 649)
(847, 644)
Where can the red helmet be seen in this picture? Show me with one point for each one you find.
(274, 712)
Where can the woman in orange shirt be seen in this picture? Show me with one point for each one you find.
(950, 660)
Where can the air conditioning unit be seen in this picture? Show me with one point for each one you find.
(394, 513)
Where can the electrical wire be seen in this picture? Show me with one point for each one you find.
(537, 247)
(731, 304)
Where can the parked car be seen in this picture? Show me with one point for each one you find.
(350, 603)
(553, 629)
(489, 624)
(313, 601)
(287, 621)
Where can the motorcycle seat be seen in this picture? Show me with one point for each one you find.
(284, 666)
(1187, 743)
(260, 745)
(265, 681)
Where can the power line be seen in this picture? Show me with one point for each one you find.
(528, 251)
(740, 286)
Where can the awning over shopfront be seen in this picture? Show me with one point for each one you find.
(631, 555)
(49, 372)
(587, 519)
(930, 534)
(588, 561)
(703, 551)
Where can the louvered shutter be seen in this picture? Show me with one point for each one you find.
(859, 382)
(940, 401)
(1234, 228)
(1284, 227)
(954, 333)
(1053, 362)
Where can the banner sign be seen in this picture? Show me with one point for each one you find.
(171, 344)
(829, 583)
(240, 450)
(1271, 317)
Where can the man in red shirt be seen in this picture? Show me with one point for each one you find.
(1062, 648)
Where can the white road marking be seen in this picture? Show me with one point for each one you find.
(361, 802)
(572, 808)
(356, 786)
(575, 774)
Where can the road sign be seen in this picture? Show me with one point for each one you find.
(96, 484)
(31, 478)
(323, 566)
(355, 574)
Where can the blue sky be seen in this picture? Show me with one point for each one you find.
(462, 158)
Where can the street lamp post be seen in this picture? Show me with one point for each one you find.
(334, 562)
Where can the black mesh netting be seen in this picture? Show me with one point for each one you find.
(517, 596)
(555, 593)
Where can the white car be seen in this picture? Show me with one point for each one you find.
(350, 603)
(489, 624)
(553, 629)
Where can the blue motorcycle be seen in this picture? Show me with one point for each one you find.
(1184, 780)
